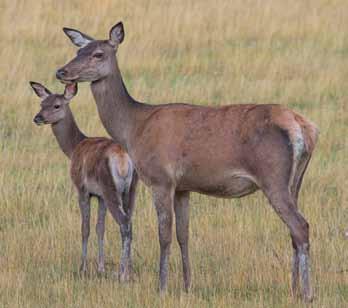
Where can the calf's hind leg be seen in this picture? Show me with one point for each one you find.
(100, 230)
(113, 201)
(128, 203)
(84, 203)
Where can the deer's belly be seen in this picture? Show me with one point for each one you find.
(234, 186)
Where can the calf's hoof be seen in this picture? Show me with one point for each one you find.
(83, 269)
(125, 274)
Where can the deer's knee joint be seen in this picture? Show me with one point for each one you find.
(85, 233)
(182, 235)
(305, 225)
(165, 232)
(182, 239)
(100, 227)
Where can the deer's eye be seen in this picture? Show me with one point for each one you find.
(98, 55)
(56, 106)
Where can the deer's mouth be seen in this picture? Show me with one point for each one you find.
(63, 76)
(68, 81)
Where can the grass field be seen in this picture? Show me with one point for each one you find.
(205, 52)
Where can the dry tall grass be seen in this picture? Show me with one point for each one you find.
(205, 52)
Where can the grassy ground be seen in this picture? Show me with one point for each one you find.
(205, 52)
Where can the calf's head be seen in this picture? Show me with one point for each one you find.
(53, 106)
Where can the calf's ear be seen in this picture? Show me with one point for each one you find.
(40, 90)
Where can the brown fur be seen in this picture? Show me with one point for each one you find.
(90, 160)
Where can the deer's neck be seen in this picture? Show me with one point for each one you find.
(118, 111)
(67, 133)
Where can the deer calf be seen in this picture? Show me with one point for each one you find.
(99, 167)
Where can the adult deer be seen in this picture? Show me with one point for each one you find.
(99, 167)
(228, 151)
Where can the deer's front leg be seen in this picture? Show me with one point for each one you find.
(84, 203)
(163, 198)
(182, 216)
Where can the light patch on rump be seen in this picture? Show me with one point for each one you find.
(118, 180)
(298, 143)
(121, 172)
(122, 163)
(298, 147)
(287, 120)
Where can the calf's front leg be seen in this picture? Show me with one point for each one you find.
(84, 203)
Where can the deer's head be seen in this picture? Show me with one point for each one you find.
(95, 59)
(53, 106)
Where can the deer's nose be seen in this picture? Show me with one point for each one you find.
(61, 73)
(38, 119)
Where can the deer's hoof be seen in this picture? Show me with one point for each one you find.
(308, 298)
(83, 271)
(101, 272)
(125, 275)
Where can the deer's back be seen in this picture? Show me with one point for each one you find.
(200, 146)
(98, 163)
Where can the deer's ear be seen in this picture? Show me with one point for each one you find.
(78, 38)
(40, 90)
(116, 34)
(70, 91)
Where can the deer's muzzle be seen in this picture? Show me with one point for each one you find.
(61, 73)
(39, 120)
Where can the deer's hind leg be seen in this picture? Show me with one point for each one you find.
(129, 195)
(295, 190)
(302, 167)
(182, 216)
(276, 177)
(284, 205)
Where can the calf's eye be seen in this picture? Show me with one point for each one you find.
(56, 106)
(98, 55)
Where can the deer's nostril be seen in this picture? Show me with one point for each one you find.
(38, 119)
(61, 73)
